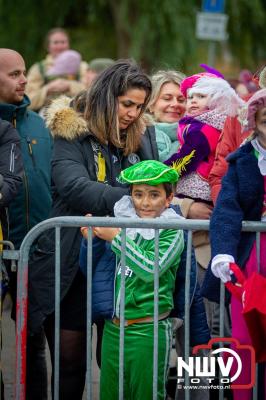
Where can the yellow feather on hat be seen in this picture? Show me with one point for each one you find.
(180, 165)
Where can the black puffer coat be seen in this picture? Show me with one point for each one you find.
(76, 192)
(11, 169)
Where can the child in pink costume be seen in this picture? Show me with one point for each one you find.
(243, 197)
(210, 99)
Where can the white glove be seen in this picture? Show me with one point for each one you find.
(220, 267)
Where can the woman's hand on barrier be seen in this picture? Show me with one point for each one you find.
(106, 233)
(200, 210)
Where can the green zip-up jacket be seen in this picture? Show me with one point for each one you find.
(139, 274)
(33, 201)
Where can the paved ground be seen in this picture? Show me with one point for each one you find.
(8, 356)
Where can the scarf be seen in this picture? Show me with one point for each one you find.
(213, 118)
(124, 208)
(261, 156)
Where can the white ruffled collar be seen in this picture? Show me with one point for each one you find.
(124, 209)
(261, 157)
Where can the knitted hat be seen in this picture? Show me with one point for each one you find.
(222, 97)
(255, 103)
(149, 172)
(190, 81)
(66, 63)
(100, 64)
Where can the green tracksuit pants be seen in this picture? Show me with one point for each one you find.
(138, 361)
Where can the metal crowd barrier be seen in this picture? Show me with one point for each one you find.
(76, 222)
(11, 255)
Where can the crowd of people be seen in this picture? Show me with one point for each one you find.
(105, 139)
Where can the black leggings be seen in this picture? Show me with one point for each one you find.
(72, 359)
(36, 385)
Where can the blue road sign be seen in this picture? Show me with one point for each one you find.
(213, 6)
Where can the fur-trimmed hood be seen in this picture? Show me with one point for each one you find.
(63, 121)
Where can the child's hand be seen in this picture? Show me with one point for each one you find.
(200, 211)
(84, 229)
(106, 233)
(220, 267)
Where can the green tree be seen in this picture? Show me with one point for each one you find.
(153, 31)
(247, 31)
(23, 26)
(158, 33)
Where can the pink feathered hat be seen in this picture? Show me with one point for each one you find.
(190, 81)
(254, 104)
(222, 97)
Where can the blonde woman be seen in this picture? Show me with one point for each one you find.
(167, 103)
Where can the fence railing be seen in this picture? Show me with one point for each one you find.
(123, 223)
(11, 255)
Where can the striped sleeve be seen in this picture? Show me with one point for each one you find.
(141, 259)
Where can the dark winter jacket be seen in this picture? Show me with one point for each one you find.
(103, 277)
(241, 199)
(76, 191)
(33, 201)
(11, 170)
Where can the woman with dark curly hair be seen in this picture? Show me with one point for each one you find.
(102, 133)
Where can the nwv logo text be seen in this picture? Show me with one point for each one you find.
(223, 362)
(206, 366)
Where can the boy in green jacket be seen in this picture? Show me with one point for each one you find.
(151, 193)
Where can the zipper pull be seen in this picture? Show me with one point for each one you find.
(30, 150)
(29, 145)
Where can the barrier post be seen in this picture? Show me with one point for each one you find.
(22, 291)
(21, 327)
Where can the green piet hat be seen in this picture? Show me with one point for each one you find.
(149, 172)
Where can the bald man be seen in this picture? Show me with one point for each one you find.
(33, 201)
